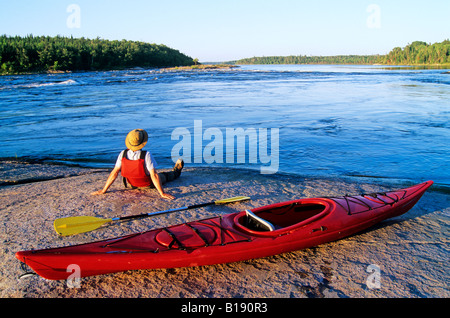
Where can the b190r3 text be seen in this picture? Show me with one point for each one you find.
(229, 308)
(246, 307)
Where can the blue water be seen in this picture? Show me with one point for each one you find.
(333, 121)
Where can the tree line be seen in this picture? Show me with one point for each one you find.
(303, 59)
(419, 53)
(416, 53)
(44, 53)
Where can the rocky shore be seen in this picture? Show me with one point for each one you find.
(411, 251)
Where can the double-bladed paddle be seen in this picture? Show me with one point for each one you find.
(81, 224)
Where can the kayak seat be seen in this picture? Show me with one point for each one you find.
(255, 223)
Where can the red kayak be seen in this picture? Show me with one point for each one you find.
(262, 232)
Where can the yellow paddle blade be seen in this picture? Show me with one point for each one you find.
(230, 200)
(78, 224)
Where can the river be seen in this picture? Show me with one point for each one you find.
(329, 121)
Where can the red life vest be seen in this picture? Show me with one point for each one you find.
(133, 171)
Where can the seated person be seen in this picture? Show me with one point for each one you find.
(138, 167)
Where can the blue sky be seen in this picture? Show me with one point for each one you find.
(219, 30)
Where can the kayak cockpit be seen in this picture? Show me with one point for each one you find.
(255, 223)
(282, 218)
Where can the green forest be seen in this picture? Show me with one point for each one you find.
(419, 53)
(416, 53)
(44, 53)
(303, 59)
(32, 54)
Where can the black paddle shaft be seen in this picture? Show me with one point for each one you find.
(195, 206)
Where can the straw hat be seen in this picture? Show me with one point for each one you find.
(136, 139)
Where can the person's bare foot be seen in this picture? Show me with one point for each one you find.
(179, 166)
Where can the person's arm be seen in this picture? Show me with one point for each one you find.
(112, 177)
(157, 183)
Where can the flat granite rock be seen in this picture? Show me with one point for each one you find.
(403, 257)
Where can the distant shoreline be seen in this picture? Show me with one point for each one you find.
(175, 68)
(386, 66)
(417, 53)
(43, 54)
(424, 66)
(201, 67)
(59, 55)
